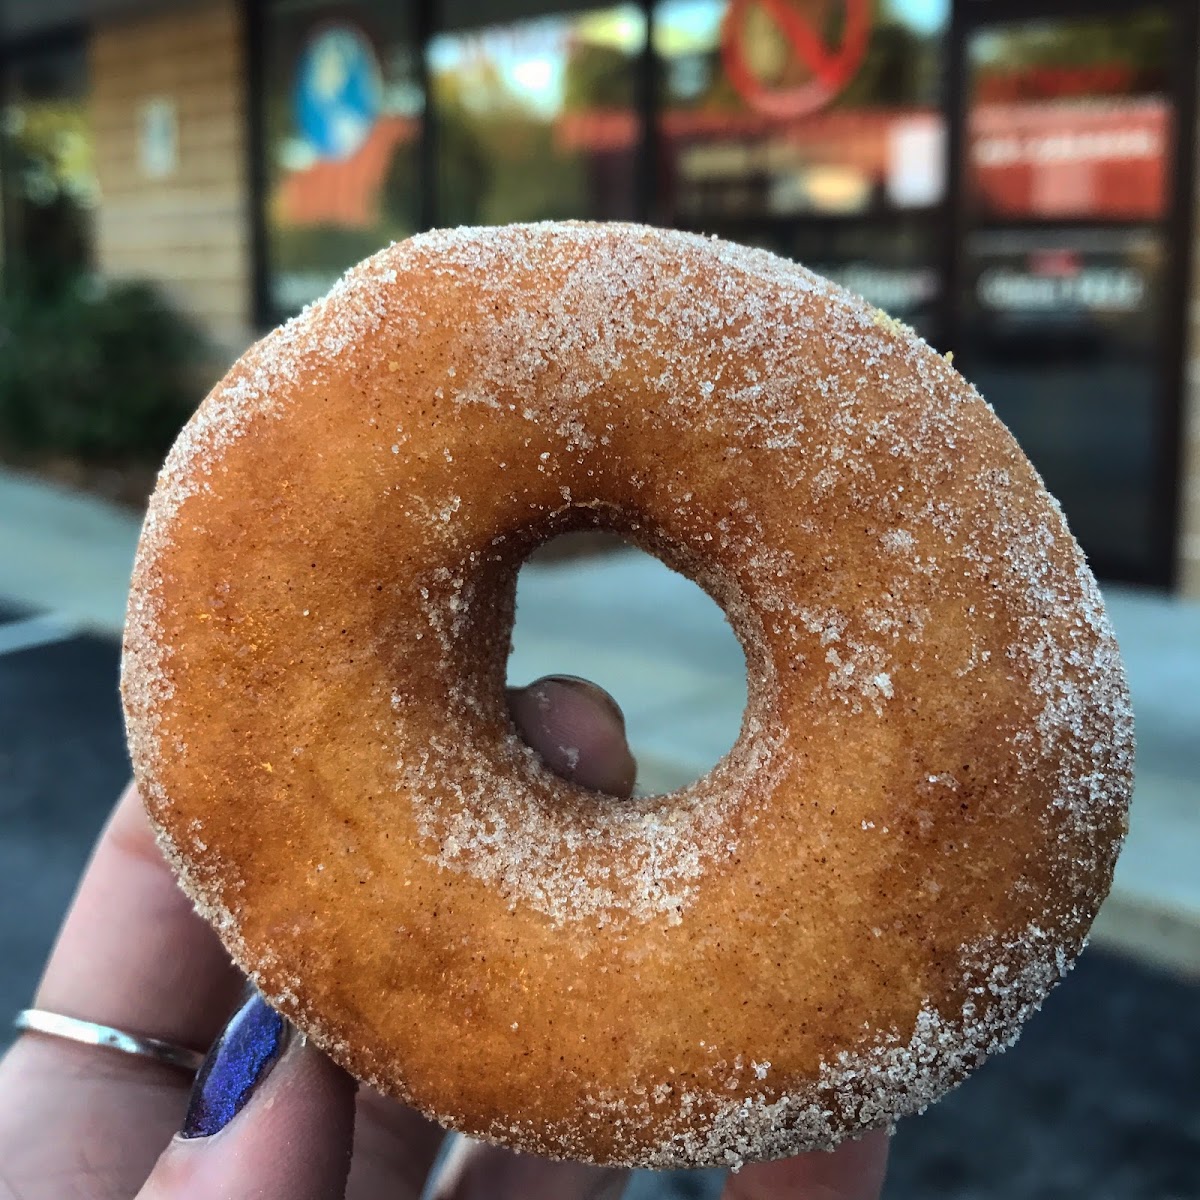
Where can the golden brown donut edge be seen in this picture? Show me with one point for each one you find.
(898, 859)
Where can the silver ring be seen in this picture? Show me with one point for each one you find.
(88, 1033)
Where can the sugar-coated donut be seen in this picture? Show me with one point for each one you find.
(900, 856)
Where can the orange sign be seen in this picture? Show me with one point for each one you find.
(832, 67)
(1072, 160)
(1056, 82)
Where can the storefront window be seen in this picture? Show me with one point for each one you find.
(536, 118)
(343, 112)
(816, 128)
(1065, 261)
(813, 128)
(48, 178)
(521, 119)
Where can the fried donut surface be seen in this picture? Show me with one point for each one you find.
(899, 857)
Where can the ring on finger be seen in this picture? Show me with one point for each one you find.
(90, 1033)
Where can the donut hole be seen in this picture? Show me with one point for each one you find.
(591, 604)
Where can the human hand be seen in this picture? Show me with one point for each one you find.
(270, 1117)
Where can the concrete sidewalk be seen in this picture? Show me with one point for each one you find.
(663, 649)
(65, 553)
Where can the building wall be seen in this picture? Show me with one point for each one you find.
(188, 229)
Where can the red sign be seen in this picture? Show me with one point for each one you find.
(1088, 160)
(832, 67)
(1054, 83)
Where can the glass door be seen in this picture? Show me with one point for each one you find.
(534, 103)
(1067, 278)
(814, 128)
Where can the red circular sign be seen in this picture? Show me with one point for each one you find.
(832, 67)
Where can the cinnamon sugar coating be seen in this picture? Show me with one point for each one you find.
(900, 856)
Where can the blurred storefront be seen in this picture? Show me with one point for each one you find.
(1012, 177)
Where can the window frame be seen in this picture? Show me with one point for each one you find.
(255, 16)
(73, 36)
(1178, 228)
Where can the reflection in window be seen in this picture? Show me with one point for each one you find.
(814, 129)
(49, 184)
(343, 112)
(1065, 264)
(536, 119)
(1070, 119)
(773, 111)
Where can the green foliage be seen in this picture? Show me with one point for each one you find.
(97, 373)
(598, 77)
(498, 162)
(1140, 41)
(328, 249)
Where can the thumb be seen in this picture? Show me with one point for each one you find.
(269, 1117)
(579, 731)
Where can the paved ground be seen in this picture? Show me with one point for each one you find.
(663, 649)
(62, 762)
(1098, 1100)
(63, 552)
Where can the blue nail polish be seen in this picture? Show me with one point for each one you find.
(238, 1062)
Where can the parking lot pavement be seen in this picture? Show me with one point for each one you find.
(62, 763)
(1098, 1099)
(663, 649)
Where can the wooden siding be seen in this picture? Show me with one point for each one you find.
(189, 231)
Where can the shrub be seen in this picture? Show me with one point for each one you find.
(95, 372)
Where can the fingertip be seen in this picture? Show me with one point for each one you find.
(578, 729)
(276, 1130)
(853, 1171)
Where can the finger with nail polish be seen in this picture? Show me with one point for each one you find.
(269, 1117)
(237, 1064)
